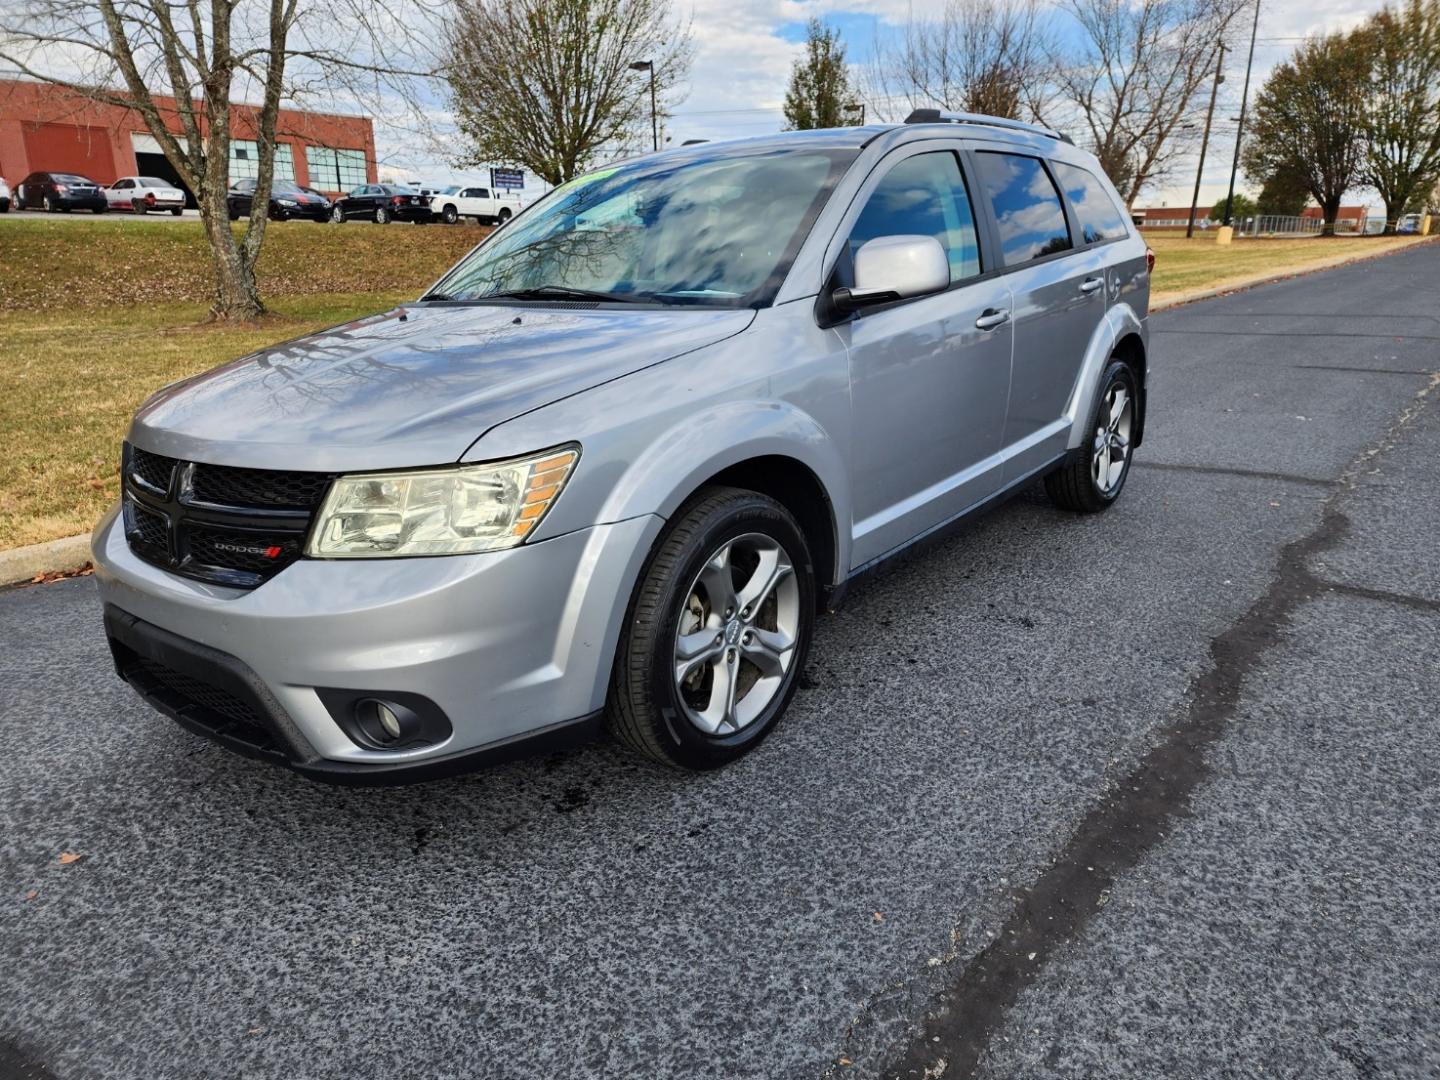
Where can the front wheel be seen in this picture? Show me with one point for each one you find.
(717, 632)
(1093, 474)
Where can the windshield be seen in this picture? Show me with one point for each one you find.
(714, 231)
(69, 178)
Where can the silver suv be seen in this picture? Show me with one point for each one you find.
(606, 472)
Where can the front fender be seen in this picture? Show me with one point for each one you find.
(1119, 321)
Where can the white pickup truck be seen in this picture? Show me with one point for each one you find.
(483, 204)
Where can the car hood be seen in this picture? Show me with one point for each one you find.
(413, 386)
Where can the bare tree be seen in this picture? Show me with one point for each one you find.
(550, 84)
(981, 56)
(1133, 79)
(204, 55)
(1308, 120)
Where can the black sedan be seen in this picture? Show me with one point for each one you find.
(383, 203)
(287, 200)
(51, 191)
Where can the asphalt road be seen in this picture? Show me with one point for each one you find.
(1147, 794)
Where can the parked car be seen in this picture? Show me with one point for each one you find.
(51, 191)
(382, 203)
(608, 470)
(287, 200)
(141, 194)
(479, 203)
(4, 196)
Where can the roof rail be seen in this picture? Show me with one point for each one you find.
(936, 116)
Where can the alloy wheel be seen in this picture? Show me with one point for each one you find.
(737, 634)
(1111, 450)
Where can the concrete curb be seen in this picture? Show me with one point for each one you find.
(1194, 295)
(73, 552)
(52, 557)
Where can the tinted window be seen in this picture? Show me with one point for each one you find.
(1026, 204)
(245, 185)
(69, 178)
(121, 185)
(925, 196)
(1100, 218)
(482, 193)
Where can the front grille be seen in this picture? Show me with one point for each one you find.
(152, 469)
(218, 711)
(231, 526)
(259, 487)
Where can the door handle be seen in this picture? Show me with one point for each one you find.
(990, 318)
(1090, 284)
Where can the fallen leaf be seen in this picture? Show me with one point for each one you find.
(32, 894)
(879, 917)
(68, 857)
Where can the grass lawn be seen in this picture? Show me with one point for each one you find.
(1184, 265)
(96, 314)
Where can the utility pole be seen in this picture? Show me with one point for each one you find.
(1205, 139)
(649, 65)
(1240, 132)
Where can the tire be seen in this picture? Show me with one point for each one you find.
(46, 204)
(337, 215)
(100, 209)
(233, 213)
(176, 210)
(682, 722)
(503, 217)
(1075, 485)
(382, 216)
(449, 215)
(137, 205)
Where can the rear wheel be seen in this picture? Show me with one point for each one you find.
(717, 632)
(449, 215)
(47, 205)
(1094, 473)
(337, 215)
(137, 205)
(382, 216)
(503, 217)
(175, 211)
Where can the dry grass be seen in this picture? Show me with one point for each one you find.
(1184, 265)
(70, 381)
(47, 262)
(112, 314)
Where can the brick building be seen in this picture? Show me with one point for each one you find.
(49, 128)
(1351, 218)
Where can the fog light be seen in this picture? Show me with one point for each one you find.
(388, 720)
(386, 724)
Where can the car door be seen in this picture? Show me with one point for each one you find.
(929, 376)
(118, 193)
(1059, 296)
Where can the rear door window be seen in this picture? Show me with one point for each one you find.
(924, 195)
(1099, 217)
(1026, 205)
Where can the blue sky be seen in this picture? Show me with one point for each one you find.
(745, 48)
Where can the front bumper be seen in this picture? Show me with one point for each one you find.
(511, 646)
(98, 203)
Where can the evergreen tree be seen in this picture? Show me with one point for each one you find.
(819, 82)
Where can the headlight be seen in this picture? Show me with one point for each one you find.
(439, 511)
(287, 202)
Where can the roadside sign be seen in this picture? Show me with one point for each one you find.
(507, 179)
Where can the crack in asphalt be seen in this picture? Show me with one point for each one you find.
(1136, 813)
(1415, 603)
(1362, 370)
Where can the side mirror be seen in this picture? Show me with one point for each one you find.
(891, 268)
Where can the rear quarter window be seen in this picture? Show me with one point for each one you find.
(1099, 216)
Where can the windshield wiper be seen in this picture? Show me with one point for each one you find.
(436, 296)
(562, 292)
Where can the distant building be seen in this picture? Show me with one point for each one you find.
(48, 128)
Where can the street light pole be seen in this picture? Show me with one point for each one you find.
(1240, 132)
(649, 65)
(1205, 139)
